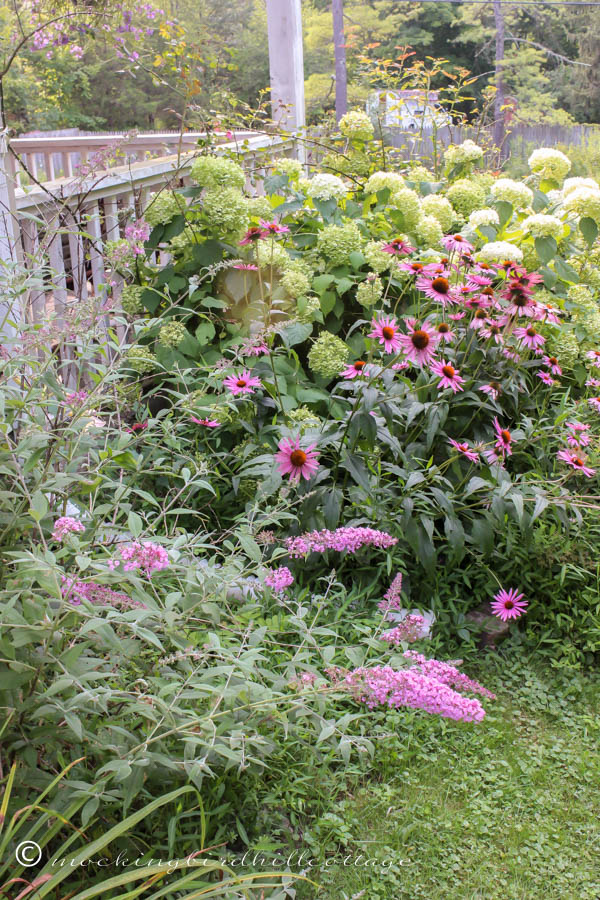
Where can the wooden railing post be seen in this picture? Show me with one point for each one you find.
(10, 309)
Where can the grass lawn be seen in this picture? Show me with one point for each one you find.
(505, 810)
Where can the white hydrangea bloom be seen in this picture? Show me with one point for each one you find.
(571, 184)
(379, 181)
(549, 163)
(499, 251)
(584, 202)
(284, 165)
(513, 192)
(326, 187)
(541, 225)
(468, 151)
(483, 217)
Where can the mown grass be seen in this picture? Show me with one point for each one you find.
(505, 809)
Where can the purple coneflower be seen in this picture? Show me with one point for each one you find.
(465, 449)
(244, 383)
(503, 439)
(530, 337)
(420, 344)
(354, 369)
(576, 461)
(551, 363)
(508, 604)
(295, 461)
(449, 376)
(452, 242)
(386, 331)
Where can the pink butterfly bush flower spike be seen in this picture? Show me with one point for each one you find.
(295, 461)
(508, 604)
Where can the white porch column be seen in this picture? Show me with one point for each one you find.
(286, 62)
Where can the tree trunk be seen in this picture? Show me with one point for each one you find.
(500, 98)
(341, 80)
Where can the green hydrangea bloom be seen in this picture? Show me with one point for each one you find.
(163, 207)
(140, 359)
(513, 192)
(217, 172)
(311, 306)
(304, 418)
(467, 152)
(285, 165)
(247, 488)
(549, 164)
(419, 174)
(440, 208)
(466, 196)
(369, 292)
(260, 208)
(565, 347)
(172, 334)
(407, 201)
(540, 225)
(376, 257)
(295, 282)
(428, 232)
(379, 181)
(357, 125)
(584, 202)
(271, 253)
(131, 299)
(355, 163)
(185, 239)
(227, 211)
(582, 296)
(328, 355)
(337, 242)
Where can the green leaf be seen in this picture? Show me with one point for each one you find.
(357, 259)
(322, 282)
(343, 285)
(205, 332)
(326, 208)
(504, 211)
(546, 248)
(296, 333)
(357, 469)
(589, 230)
(328, 301)
(208, 253)
(39, 506)
(565, 271)
(135, 524)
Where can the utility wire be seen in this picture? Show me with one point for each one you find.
(542, 3)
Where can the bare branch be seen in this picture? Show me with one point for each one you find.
(572, 62)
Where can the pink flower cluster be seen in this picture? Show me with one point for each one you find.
(392, 598)
(409, 630)
(279, 579)
(447, 674)
(342, 539)
(146, 556)
(66, 525)
(414, 688)
(136, 233)
(304, 680)
(75, 591)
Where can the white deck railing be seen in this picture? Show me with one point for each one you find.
(68, 220)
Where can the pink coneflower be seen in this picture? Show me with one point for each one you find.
(456, 317)
(398, 247)
(387, 333)
(594, 356)
(479, 320)
(530, 337)
(551, 363)
(244, 383)
(520, 302)
(546, 377)
(254, 233)
(420, 344)
(503, 439)
(414, 268)
(493, 389)
(511, 354)
(577, 461)
(509, 604)
(475, 281)
(594, 402)
(295, 461)
(354, 369)
(465, 449)
(445, 332)
(401, 366)
(437, 288)
(493, 332)
(246, 267)
(271, 229)
(449, 376)
(456, 242)
(577, 434)
(207, 423)
(546, 313)
(593, 382)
